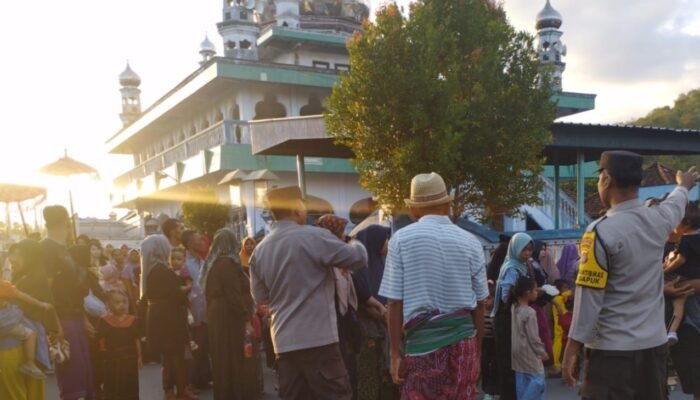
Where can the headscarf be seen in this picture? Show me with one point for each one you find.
(499, 255)
(245, 257)
(344, 289)
(225, 245)
(335, 224)
(568, 262)
(517, 244)
(33, 281)
(155, 250)
(368, 280)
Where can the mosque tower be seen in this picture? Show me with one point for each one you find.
(131, 95)
(288, 13)
(550, 48)
(207, 50)
(239, 29)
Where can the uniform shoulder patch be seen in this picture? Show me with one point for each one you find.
(590, 272)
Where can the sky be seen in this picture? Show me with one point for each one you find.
(61, 61)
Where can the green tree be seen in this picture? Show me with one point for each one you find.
(204, 212)
(685, 113)
(453, 89)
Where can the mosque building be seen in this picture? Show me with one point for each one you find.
(276, 59)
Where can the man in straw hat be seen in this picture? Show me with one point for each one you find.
(292, 272)
(435, 280)
(619, 309)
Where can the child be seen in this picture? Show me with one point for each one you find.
(120, 349)
(489, 372)
(562, 320)
(528, 351)
(177, 263)
(684, 262)
(11, 325)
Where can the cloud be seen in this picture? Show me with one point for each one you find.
(623, 41)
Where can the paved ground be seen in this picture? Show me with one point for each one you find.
(150, 388)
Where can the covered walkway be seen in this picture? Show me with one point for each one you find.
(572, 144)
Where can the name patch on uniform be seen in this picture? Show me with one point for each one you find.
(590, 272)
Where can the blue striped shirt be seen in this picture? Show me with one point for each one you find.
(434, 264)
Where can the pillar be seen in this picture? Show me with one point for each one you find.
(301, 174)
(557, 197)
(580, 194)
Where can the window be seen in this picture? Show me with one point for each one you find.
(342, 67)
(245, 44)
(321, 64)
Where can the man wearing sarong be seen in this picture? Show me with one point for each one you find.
(435, 280)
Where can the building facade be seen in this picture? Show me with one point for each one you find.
(278, 59)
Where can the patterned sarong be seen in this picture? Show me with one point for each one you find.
(450, 373)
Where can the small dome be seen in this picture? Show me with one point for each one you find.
(129, 77)
(207, 46)
(548, 18)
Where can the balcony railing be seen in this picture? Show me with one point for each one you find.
(224, 132)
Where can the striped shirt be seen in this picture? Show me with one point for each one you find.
(434, 264)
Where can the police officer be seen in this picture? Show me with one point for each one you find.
(619, 305)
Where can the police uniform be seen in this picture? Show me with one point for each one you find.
(619, 305)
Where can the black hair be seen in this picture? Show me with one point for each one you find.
(523, 285)
(627, 183)
(168, 226)
(187, 235)
(96, 243)
(691, 218)
(559, 284)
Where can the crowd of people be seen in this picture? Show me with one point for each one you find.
(417, 314)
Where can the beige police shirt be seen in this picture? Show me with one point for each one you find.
(621, 306)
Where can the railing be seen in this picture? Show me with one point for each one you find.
(567, 207)
(224, 132)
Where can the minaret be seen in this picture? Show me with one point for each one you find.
(288, 13)
(239, 29)
(207, 50)
(131, 95)
(550, 48)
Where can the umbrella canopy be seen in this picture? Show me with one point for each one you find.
(234, 176)
(66, 166)
(11, 193)
(373, 219)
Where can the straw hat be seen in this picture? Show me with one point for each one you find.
(428, 190)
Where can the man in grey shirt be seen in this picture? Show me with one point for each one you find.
(619, 307)
(292, 273)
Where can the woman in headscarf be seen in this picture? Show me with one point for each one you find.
(544, 257)
(29, 277)
(515, 266)
(568, 264)
(345, 303)
(253, 383)
(497, 258)
(374, 380)
(95, 307)
(166, 325)
(229, 308)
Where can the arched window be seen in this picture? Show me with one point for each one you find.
(219, 116)
(314, 107)
(269, 108)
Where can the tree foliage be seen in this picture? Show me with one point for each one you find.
(453, 89)
(204, 212)
(685, 113)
